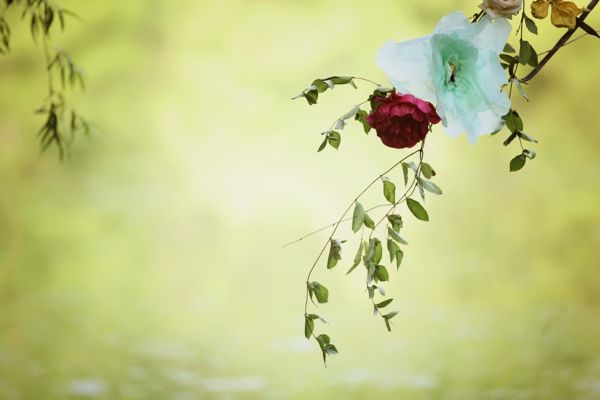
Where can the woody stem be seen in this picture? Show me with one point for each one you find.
(561, 42)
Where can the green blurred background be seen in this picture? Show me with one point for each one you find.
(150, 265)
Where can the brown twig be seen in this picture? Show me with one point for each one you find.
(561, 42)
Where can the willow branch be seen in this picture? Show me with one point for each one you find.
(561, 42)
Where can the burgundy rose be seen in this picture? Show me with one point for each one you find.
(402, 120)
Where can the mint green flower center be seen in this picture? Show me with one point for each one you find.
(455, 56)
(454, 60)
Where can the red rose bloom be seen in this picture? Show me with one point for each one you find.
(402, 120)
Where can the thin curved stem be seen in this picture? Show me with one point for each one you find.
(327, 227)
(513, 72)
(568, 43)
(341, 118)
(366, 80)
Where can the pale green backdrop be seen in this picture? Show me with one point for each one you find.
(150, 265)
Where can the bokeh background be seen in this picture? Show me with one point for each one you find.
(150, 265)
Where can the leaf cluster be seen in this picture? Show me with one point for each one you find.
(61, 123)
(318, 86)
(514, 123)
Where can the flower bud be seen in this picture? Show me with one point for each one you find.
(501, 8)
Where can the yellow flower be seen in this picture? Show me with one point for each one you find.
(563, 15)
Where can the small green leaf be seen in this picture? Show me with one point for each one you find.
(368, 222)
(417, 209)
(526, 137)
(530, 24)
(322, 146)
(533, 58)
(509, 49)
(370, 272)
(518, 121)
(370, 250)
(389, 190)
(334, 139)
(519, 86)
(527, 54)
(331, 350)
(395, 252)
(384, 303)
(371, 290)
(377, 252)
(509, 59)
(320, 292)
(309, 327)
(405, 173)
(311, 96)
(393, 248)
(341, 80)
(381, 273)
(390, 315)
(335, 250)
(510, 138)
(427, 171)
(361, 116)
(524, 52)
(496, 131)
(396, 236)
(396, 222)
(412, 166)
(357, 257)
(513, 121)
(324, 341)
(387, 318)
(430, 186)
(517, 163)
(358, 217)
(319, 85)
(399, 257)
(421, 190)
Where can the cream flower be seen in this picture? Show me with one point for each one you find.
(501, 8)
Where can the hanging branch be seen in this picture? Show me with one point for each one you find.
(561, 42)
(62, 122)
(398, 118)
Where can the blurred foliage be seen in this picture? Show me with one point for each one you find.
(62, 123)
(149, 266)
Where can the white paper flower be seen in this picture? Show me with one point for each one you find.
(457, 69)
